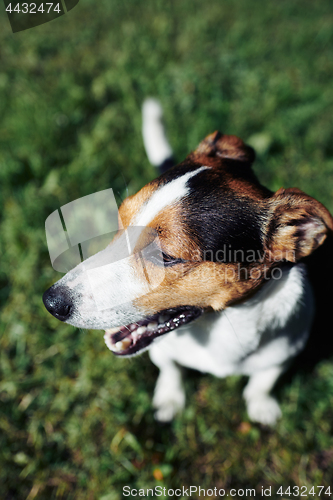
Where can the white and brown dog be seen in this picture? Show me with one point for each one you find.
(235, 297)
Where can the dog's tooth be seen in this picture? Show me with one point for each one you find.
(152, 326)
(122, 344)
(141, 329)
(115, 347)
(108, 341)
(163, 318)
(111, 346)
(118, 346)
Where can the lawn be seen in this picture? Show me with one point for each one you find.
(76, 422)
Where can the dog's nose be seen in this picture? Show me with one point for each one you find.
(57, 301)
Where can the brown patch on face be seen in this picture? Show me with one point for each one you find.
(133, 204)
(207, 285)
(174, 239)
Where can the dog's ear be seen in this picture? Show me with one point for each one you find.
(297, 225)
(225, 146)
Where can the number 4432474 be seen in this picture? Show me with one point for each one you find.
(31, 8)
(303, 491)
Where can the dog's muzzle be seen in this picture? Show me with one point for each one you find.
(58, 302)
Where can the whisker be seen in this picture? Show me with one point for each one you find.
(224, 312)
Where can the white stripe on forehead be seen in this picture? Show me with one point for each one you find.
(166, 195)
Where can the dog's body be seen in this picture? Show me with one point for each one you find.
(257, 338)
(229, 252)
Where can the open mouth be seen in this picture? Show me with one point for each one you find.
(132, 338)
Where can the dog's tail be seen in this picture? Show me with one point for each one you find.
(158, 149)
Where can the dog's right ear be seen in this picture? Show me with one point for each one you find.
(297, 225)
(225, 146)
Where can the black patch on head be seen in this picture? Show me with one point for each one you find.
(178, 171)
(166, 165)
(225, 225)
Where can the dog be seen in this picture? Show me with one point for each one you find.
(233, 294)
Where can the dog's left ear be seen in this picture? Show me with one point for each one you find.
(225, 146)
(298, 224)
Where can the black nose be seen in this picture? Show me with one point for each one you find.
(58, 302)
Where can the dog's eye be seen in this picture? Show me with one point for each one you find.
(159, 258)
(171, 261)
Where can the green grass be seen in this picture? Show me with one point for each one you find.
(76, 422)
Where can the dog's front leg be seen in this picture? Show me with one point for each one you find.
(261, 406)
(169, 395)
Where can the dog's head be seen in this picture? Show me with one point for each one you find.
(205, 235)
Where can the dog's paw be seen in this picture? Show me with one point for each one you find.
(168, 404)
(264, 410)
